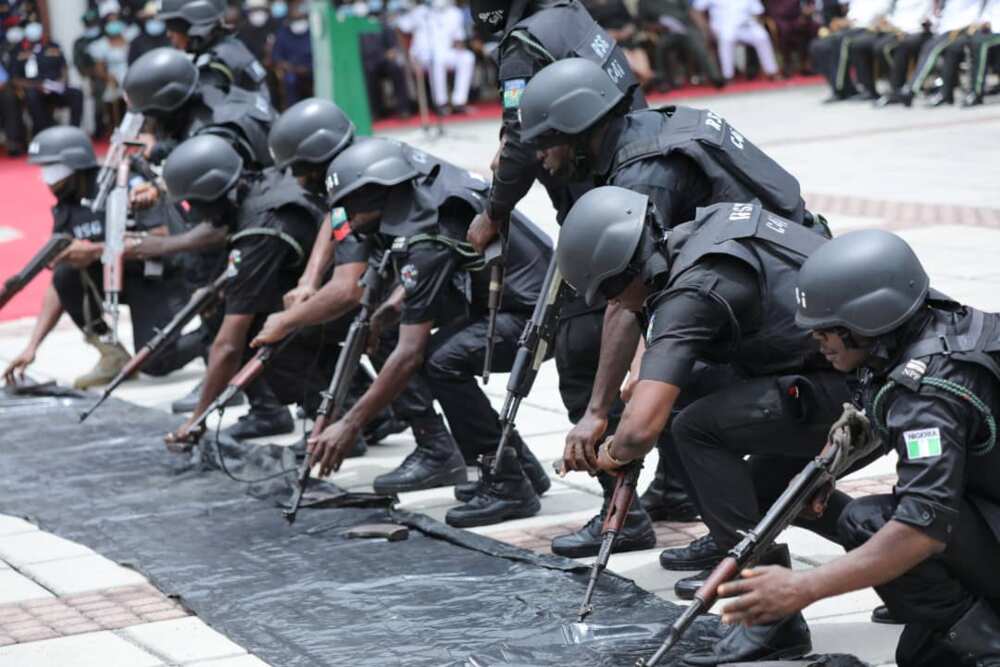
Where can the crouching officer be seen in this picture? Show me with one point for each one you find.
(713, 289)
(930, 384)
(421, 207)
(682, 158)
(198, 27)
(274, 222)
(69, 168)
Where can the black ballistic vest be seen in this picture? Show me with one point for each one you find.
(271, 190)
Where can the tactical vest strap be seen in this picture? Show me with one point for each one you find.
(222, 69)
(533, 45)
(274, 233)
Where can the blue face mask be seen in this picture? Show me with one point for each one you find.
(155, 27)
(279, 10)
(114, 28)
(33, 31)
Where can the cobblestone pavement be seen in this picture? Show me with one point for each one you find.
(930, 175)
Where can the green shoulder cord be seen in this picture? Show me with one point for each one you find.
(473, 261)
(952, 388)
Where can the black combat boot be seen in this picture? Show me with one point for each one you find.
(666, 499)
(637, 533)
(976, 636)
(267, 415)
(699, 554)
(435, 462)
(787, 638)
(533, 469)
(778, 554)
(502, 496)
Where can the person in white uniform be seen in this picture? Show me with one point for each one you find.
(438, 46)
(736, 22)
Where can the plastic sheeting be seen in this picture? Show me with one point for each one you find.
(305, 594)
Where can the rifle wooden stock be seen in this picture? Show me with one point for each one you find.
(48, 252)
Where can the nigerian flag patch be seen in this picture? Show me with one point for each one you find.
(922, 444)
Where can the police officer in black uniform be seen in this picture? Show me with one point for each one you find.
(420, 208)
(197, 26)
(719, 289)
(930, 387)
(69, 167)
(534, 34)
(681, 157)
(273, 222)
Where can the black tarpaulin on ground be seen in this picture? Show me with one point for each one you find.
(304, 594)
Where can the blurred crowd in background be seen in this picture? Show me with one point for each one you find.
(430, 48)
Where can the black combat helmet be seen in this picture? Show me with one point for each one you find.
(368, 162)
(63, 144)
(201, 16)
(868, 281)
(312, 130)
(600, 237)
(160, 81)
(567, 97)
(202, 169)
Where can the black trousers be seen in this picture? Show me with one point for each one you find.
(454, 357)
(152, 304)
(385, 68)
(40, 106)
(899, 51)
(932, 596)
(13, 125)
(690, 44)
(930, 54)
(863, 49)
(830, 56)
(981, 48)
(761, 418)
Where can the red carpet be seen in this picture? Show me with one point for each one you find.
(26, 201)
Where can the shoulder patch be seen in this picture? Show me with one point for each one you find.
(513, 89)
(408, 276)
(339, 223)
(922, 444)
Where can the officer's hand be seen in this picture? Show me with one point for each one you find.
(332, 445)
(604, 461)
(80, 254)
(482, 230)
(275, 329)
(580, 452)
(298, 295)
(144, 196)
(183, 439)
(146, 247)
(14, 373)
(765, 594)
(816, 506)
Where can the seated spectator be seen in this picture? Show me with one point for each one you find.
(984, 45)
(438, 47)
(153, 35)
(896, 41)
(796, 26)
(38, 71)
(110, 56)
(829, 53)
(675, 27)
(737, 22)
(383, 60)
(84, 64)
(613, 16)
(292, 56)
(10, 107)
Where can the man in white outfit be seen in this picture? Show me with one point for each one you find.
(438, 46)
(736, 22)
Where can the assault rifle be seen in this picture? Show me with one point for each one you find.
(250, 371)
(495, 256)
(115, 223)
(532, 349)
(837, 457)
(204, 298)
(124, 137)
(17, 282)
(614, 519)
(332, 405)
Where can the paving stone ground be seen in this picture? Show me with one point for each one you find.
(930, 175)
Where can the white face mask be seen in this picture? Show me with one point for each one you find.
(15, 35)
(33, 31)
(53, 173)
(299, 26)
(258, 18)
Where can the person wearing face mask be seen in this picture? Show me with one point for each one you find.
(39, 71)
(198, 27)
(438, 47)
(84, 64)
(292, 55)
(10, 108)
(383, 59)
(69, 168)
(274, 221)
(257, 29)
(153, 35)
(110, 56)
